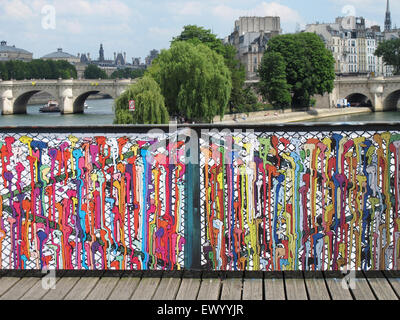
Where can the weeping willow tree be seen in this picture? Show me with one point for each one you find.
(149, 102)
(194, 81)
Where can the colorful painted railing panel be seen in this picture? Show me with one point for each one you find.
(300, 200)
(91, 201)
(251, 198)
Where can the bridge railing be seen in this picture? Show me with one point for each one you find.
(292, 197)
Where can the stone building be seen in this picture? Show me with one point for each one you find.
(8, 53)
(61, 55)
(250, 37)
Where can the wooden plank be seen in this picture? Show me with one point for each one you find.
(20, 288)
(82, 288)
(6, 283)
(253, 289)
(189, 289)
(274, 289)
(316, 289)
(146, 289)
(103, 288)
(361, 289)
(337, 291)
(38, 290)
(168, 289)
(232, 289)
(63, 286)
(210, 289)
(125, 288)
(295, 289)
(394, 279)
(381, 286)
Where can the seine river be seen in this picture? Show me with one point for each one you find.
(100, 112)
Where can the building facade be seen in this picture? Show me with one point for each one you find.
(8, 53)
(353, 46)
(250, 37)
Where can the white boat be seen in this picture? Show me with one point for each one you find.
(51, 106)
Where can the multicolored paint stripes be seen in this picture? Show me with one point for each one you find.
(300, 200)
(90, 202)
(276, 200)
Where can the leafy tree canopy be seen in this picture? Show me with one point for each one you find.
(127, 73)
(37, 69)
(149, 102)
(309, 66)
(94, 72)
(194, 80)
(196, 35)
(389, 50)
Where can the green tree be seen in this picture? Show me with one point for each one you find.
(273, 85)
(94, 72)
(389, 50)
(149, 102)
(194, 80)
(309, 66)
(127, 73)
(196, 35)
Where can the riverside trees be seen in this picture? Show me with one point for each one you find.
(149, 102)
(294, 68)
(389, 50)
(194, 81)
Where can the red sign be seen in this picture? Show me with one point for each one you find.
(132, 105)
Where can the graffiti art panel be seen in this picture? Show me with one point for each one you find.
(80, 201)
(300, 200)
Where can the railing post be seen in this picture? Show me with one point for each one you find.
(192, 211)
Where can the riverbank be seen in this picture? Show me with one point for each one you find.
(267, 117)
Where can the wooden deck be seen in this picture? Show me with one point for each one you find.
(201, 286)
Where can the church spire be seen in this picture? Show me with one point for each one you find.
(388, 19)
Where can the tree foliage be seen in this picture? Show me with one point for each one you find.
(37, 69)
(273, 84)
(389, 50)
(196, 35)
(149, 102)
(127, 73)
(194, 80)
(94, 72)
(309, 66)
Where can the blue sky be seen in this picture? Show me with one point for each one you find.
(136, 27)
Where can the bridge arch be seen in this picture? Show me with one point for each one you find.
(21, 100)
(79, 101)
(391, 101)
(359, 100)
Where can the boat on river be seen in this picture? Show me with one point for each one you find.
(51, 106)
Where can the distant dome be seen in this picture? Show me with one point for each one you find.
(59, 54)
(5, 48)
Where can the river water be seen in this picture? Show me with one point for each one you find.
(100, 112)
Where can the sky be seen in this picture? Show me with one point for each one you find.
(138, 26)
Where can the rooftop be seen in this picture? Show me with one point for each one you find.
(59, 54)
(5, 48)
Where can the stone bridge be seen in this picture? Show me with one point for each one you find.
(71, 94)
(382, 94)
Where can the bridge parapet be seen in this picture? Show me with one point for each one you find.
(70, 93)
(268, 198)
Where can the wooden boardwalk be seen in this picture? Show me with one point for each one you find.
(200, 286)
